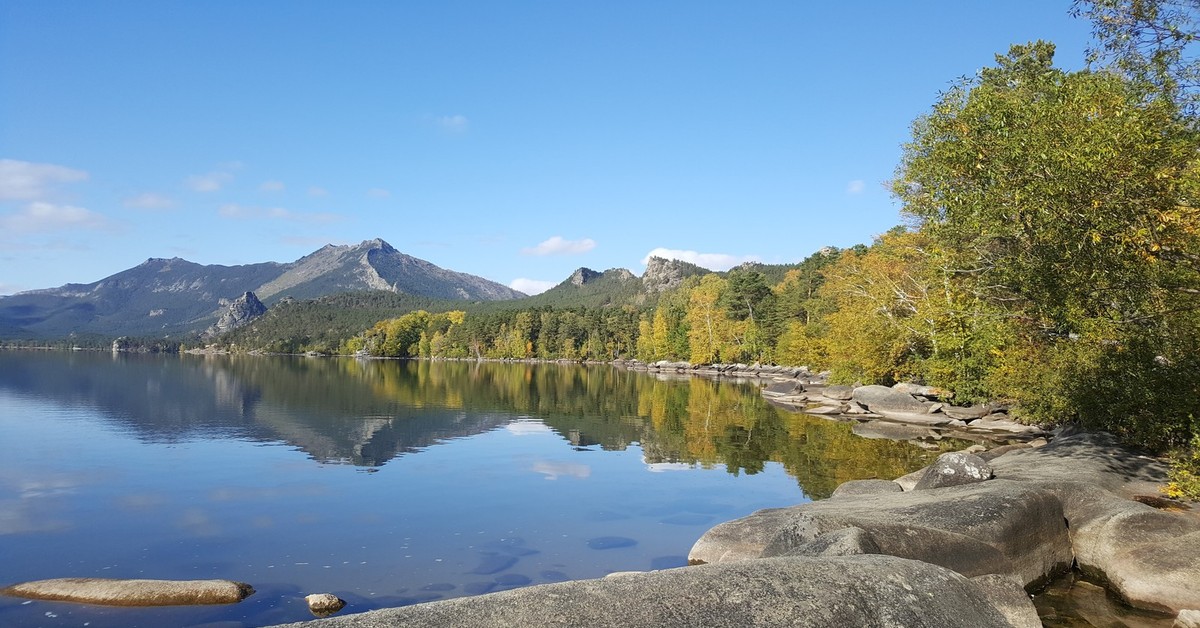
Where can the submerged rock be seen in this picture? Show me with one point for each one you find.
(112, 592)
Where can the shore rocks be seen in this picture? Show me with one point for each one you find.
(991, 527)
(881, 399)
(1014, 525)
(133, 592)
(1148, 557)
(864, 590)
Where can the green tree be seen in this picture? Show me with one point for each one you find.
(1063, 201)
(1151, 41)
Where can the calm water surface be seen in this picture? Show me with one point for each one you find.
(386, 483)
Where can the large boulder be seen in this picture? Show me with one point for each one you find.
(1148, 557)
(898, 405)
(953, 469)
(865, 590)
(991, 527)
(883, 399)
(112, 592)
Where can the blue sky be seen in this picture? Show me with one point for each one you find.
(513, 140)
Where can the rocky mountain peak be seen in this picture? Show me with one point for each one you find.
(665, 274)
(378, 243)
(582, 276)
(237, 313)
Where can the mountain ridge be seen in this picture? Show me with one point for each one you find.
(174, 296)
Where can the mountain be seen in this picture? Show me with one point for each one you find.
(175, 296)
(615, 286)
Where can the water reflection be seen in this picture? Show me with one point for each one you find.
(369, 412)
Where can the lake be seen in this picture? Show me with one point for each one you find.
(384, 482)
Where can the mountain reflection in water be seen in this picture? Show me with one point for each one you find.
(385, 483)
(368, 412)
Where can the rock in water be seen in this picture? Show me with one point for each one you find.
(324, 604)
(133, 592)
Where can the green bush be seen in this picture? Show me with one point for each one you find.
(1185, 472)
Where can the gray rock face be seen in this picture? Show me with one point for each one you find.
(990, 527)
(238, 312)
(866, 590)
(133, 592)
(966, 413)
(866, 487)
(898, 405)
(954, 469)
(884, 399)
(845, 542)
(582, 276)
(835, 562)
(838, 393)
(666, 274)
(1146, 556)
(1010, 598)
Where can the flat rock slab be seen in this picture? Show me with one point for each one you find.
(111, 592)
(865, 590)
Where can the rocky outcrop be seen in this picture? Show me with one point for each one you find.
(1046, 507)
(241, 311)
(666, 274)
(133, 592)
(863, 590)
(1002, 527)
(582, 276)
(1147, 556)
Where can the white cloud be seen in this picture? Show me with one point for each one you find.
(662, 467)
(711, 261)
(554, 469)
(210, 182)
(271, 186)
(531, 286)
(525, 427)
(149, 200)
(378, 193)
(40, 217)
(556, 245)
(453, 124)
(244, 212)
(27, 181)
(316, 191)
(856, 187)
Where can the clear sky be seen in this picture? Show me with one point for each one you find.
(517, 140)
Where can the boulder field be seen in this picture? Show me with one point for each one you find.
(958, 543)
